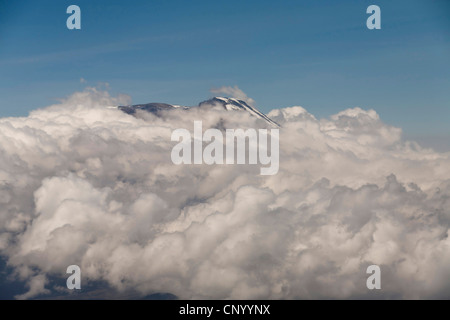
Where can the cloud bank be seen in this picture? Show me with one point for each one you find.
(84, 184)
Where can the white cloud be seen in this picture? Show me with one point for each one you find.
(36, 286)
(88, 185)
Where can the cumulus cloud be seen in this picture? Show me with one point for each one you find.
(233, 92)
(84, 184)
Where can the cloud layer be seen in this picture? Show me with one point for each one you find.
(84, 184)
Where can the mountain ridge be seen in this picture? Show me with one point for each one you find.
(229, 104)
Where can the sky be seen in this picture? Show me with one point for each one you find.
(316, 54)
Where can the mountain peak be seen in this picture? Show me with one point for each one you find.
(229, 104)
(235, 104)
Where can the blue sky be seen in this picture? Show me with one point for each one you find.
(317, 54)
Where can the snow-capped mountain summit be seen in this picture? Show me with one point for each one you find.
(234, 104)
(229, 104)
